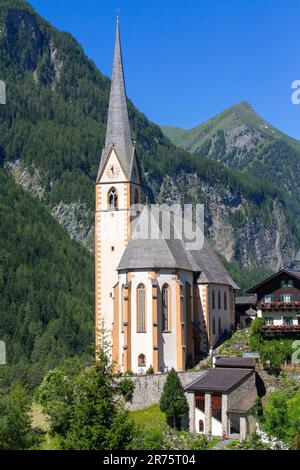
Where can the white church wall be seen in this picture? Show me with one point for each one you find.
(168, 340)
(216, 312)
(111, 239)
(122, 280)
(141, 343)
(186, 276)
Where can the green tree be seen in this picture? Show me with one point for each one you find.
(173, 401)
(15, 420)
(257, 409)
(85, 407)
(276, 416)
(56, 395)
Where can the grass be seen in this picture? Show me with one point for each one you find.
(237, 344)
(39, 419)
(149, 419)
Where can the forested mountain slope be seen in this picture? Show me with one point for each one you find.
(46, 288)
(242, 140)
(52, 131)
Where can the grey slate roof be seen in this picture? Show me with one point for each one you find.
(173, 253)
(118, 132)
(246, 300)
(251, 312)
(235, 362)
(219, 380)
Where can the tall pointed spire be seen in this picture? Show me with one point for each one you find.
(118, 132)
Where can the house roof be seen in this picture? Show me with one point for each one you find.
(290, 272)
(118, 134)
(219, 380)
(251, 312)
(246, 300)
(235, 362)
(171, 252)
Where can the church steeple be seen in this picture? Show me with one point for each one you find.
(118, 134)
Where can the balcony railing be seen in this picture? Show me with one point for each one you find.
(279, 305)
(278, 329)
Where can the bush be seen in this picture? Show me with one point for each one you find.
(127, 387)
(15, 421)
(150, 370)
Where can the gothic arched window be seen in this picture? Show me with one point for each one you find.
(213, 299)
(141, 309)
(142, 360)
(214, 326)
(225, 301)
(219, 299)
(113, 199)
(165, 294)
(136, 198)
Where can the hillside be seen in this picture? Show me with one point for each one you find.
(242, 140)
(52, 131)
(46, 288)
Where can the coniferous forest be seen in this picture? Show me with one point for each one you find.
(54, 123)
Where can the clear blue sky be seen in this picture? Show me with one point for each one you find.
(187, 60)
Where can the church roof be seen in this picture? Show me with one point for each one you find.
(118, 134)
(173, 253)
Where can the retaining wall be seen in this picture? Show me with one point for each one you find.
(148, 388)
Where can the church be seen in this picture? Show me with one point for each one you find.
(162, 304)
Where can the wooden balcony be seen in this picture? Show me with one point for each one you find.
(273, 330)
(278, 305)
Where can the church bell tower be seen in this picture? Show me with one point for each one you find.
(117, 188)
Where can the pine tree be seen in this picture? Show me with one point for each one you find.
(173, 401)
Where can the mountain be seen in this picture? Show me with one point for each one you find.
(242, 140)
(52, 131)
(46, 288)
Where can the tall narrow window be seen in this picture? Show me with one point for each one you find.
(225, 301)
(165, 308)
(219, 299)
(136, 198)
(213, 299)
(113, 199)
(220, 326)
(141, 309)
(214, 326)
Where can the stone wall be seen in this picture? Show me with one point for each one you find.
(148, 388)
(245, 389)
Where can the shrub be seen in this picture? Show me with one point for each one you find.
(127, 387)
(150, 370)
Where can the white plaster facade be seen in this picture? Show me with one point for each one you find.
(278, 316)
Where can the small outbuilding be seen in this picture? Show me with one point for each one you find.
(221, 399)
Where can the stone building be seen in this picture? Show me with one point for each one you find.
(220, 399)
(162, 303)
